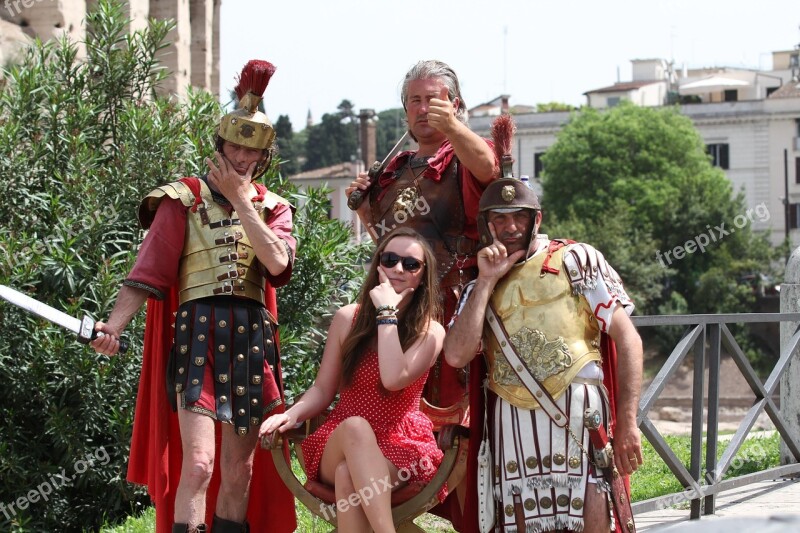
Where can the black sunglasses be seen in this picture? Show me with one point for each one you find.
(410, 264)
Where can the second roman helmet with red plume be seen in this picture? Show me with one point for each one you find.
(246, 125)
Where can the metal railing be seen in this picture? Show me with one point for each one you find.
(706, 336)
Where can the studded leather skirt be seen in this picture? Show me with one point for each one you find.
(224, 361)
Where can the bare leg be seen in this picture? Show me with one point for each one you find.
(595, 512)
(236, 470)
(197, 442)
(372, 475)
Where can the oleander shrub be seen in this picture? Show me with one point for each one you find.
(81, 141)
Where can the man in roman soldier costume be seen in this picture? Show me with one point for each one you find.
(435, 190)
(542, 311)
(217, 247)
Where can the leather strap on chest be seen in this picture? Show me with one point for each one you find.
(537, 390)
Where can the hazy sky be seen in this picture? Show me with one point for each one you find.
(534, 50)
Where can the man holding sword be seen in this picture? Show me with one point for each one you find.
(435, 190)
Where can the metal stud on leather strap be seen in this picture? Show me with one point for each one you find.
(530, 504)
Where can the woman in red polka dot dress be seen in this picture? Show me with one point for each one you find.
(377, 356)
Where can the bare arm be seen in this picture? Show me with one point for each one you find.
(317, 398)
(399, 369)
(269, 248)
(463, 339)
(627, 442)
(129, 301)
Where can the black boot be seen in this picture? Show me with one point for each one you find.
(220, 525)
(184, 528)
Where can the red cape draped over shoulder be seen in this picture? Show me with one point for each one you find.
(156, 454)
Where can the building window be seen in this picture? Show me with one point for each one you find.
(797, 169)
(719, 155)
(771, 90)
(794, 216)
(731, 95)
(612, 101)
(538, 166)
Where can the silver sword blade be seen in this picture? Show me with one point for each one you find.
(38, 308)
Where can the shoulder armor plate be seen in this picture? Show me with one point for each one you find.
(175, 190)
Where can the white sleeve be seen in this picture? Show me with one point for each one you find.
(592, 276)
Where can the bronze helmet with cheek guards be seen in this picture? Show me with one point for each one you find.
(246, 125)
(506, 195)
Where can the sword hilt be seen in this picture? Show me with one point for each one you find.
(357, 196)
(87, 334)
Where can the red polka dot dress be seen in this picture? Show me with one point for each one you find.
(404, 434)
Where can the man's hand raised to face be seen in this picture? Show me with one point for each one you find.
(442, 112)
(494, 261)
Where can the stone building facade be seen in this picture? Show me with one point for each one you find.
(192, 57)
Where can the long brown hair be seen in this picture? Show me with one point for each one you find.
(413, 321)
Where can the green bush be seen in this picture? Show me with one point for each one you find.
(81, 141)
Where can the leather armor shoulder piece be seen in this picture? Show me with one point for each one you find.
(176, 190)
(271, 200)
(584, 264)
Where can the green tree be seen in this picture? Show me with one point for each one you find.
(287, 146)
(82, 141)
(391, 125)
(334, 140)
(652, 163)
(553, 106)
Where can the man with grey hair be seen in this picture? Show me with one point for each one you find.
(435, 189)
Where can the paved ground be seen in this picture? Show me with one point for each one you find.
(778, 500)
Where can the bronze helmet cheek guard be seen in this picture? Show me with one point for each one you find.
(506, 193)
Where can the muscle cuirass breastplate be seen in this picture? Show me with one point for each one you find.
(434, 209)
(217, 257)
(553, 330)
